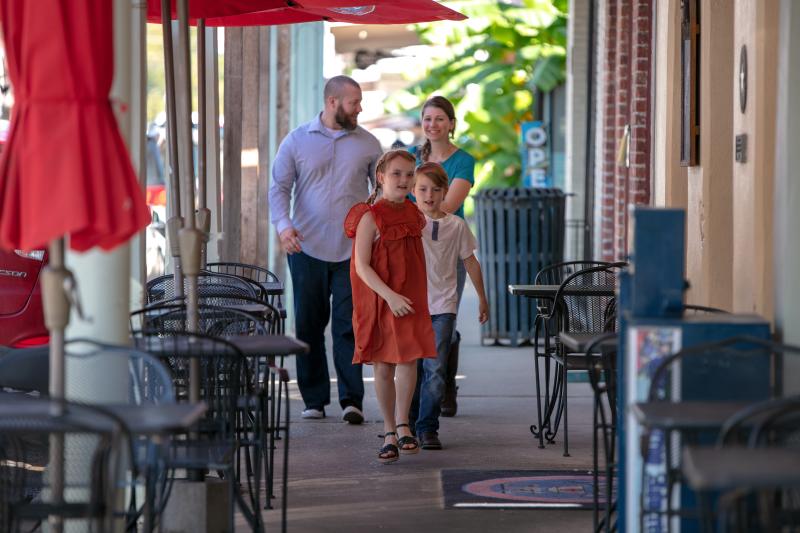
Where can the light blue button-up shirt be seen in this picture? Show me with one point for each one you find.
(330, 171)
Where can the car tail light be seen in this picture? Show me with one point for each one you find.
(38, 255)
(32, 341)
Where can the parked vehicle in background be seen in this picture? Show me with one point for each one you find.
(21, 317)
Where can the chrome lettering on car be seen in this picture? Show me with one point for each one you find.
(13, 273)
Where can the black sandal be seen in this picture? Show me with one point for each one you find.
(409, 440)
(389, 453)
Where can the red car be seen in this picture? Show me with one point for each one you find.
(21, 317)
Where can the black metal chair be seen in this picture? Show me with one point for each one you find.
(723, 361)
(551, 275)
(265, 313)
(213, 284)
(149, 383)
(32, 446)
(758, 452)
(601, 369)
(566, 313)
(259, 275)
(232, 429)
(170, 318)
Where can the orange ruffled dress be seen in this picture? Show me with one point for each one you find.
(399, 260)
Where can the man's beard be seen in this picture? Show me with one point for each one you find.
(344, 120)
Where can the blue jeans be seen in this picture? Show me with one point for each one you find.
(321, 292)
(431, 376)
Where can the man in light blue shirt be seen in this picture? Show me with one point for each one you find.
(325, 166)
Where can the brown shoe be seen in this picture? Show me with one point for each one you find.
(429, 440)
(449, 403)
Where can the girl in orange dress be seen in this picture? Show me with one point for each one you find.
(391, 322)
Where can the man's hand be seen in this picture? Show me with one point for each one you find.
(290, 241)
(483, 311)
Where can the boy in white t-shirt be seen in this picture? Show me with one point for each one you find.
(446, 240)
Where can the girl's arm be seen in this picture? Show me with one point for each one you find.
(365, 235)
(456, 194)
(474, 270)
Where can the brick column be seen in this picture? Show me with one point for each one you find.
(623, 101)
(639, 172)
(609, 114)
(627, 79)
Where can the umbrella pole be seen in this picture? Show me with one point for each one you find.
(203, 213)
(56, 317)
(175, 222)
(190, 237)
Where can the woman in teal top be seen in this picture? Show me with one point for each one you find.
(438, 125)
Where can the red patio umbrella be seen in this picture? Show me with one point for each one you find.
(213, 8)
(375, 12)
(272, 12)
(65, 169)
(225, 8)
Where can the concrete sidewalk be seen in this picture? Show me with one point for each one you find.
(337, 485)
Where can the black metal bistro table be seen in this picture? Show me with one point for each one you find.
(249, 345)
(548, 292)
(160, 419)
(272, 288)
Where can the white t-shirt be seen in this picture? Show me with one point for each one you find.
(446, 241)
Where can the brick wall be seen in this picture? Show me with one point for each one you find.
(627, 78)
(606, 201)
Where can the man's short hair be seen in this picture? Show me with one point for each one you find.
(336, 85)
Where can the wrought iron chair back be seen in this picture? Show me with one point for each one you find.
(253, 272)
(556, 274)
(212, 284)
(586, 313)
(259, 275)
(213, 320)
(158, 315)
(94, 438)
(149, 383)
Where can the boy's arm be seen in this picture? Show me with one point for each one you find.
(473, 268)
(365, 235)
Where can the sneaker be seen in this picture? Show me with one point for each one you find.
(313, 414)
(352, 415)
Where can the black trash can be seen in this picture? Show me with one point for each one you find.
(520, 231)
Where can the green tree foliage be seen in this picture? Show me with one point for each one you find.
(497, 58)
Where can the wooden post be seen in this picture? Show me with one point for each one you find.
(232, 148)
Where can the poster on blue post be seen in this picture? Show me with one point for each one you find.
(647, 348)
(535, 152)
